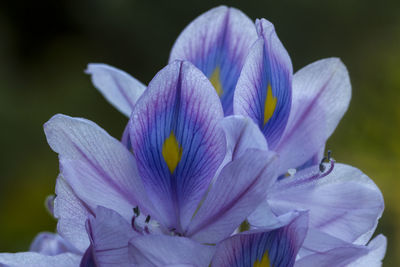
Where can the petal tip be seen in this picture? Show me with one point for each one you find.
(264, 26)
(53, 120)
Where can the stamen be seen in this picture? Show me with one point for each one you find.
(133, 224)
(314, 175)
(332, 162)
(144, 224)
(321, 164)
(136, 213)
(329, 154)
(147, 219)
(146, 228)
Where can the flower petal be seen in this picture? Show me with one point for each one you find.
(264, 88)
(313, 161)
(163, 250)
(176, 141)
(263, 217)
(320, 97)
(126, 139)
(217, 43)
(34, 259)
(110, 235)
(268, 247)
(376, 253)
(345, 203)
(100, 170)
(71, 214)
(241, 134)
(341, 256)
(326, 250)
(117, 86)
(51, 244)
(241, 186)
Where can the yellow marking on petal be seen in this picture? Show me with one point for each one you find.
(269, 105)
(264, 261)
(215, 80)
(172, 152)
(244, 226)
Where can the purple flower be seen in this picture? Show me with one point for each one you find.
(179, 178)
(252, 73)
(185, 176)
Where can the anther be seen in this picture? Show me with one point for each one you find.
(329, 154)
(147, 219)
(314, 175)
(327, 159)
(321, 164)
(136, 211)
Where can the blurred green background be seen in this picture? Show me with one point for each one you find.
(46, 45)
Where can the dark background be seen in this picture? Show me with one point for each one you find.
(46, 45)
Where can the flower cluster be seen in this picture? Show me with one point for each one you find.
(221, 163)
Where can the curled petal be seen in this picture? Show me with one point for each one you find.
(117, 86)
(217, 43)
(176, 141)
